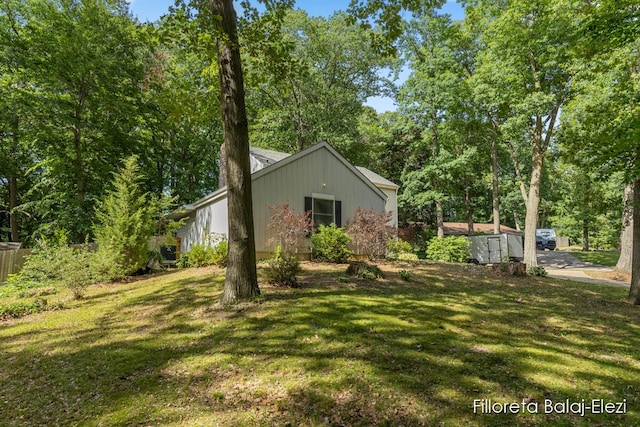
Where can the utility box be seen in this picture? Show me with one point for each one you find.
(496, 248)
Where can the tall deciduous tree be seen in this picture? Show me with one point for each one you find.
(317, 93)
(524, 66)
(83, 74)
(603, 120)
(241, 281)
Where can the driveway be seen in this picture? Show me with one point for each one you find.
(563, 265)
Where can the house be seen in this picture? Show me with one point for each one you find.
(317, 179)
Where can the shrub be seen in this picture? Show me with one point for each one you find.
(408, 257)
(22, 308)
(53, 264)
(364, 270)
(282, 269)
(289, 229)
(449, 249)
(370, 231)
(127, 218)
(220, 253)
(202, 255)
(396, 247)
(537, 271)
(405, 275)
(330, 244)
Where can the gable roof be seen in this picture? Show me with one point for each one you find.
(261, 157)
(319, 146)
(378, 180)
(265, 161)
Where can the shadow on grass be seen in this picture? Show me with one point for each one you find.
(358, 353)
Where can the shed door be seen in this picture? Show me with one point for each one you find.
(495, 255)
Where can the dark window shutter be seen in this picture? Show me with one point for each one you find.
(308, 207)
(308, 204)
(338, 208)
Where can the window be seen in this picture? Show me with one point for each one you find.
(325, 210)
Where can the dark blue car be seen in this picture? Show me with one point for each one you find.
(545, 239)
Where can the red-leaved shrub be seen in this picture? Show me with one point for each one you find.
(288, 229)
(369, 231)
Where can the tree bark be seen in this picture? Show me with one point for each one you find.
(241, 281)
(469, 209)
(626, 238)
(585, 236)
(532, 203)
(496, 187)
(634, 292)
(439, 218)
(13, 183)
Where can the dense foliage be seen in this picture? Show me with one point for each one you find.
(330, 244)
(449, 249)
(127, 218)
(283, 269)
(369, 231)
(201, 255)
(524, 113)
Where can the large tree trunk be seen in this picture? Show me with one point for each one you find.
(532, 203)
(241, 281)
(496, 188)
(626, 238)
(634, 292)
(585, 235)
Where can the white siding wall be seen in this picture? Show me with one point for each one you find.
(211, 218)
(391, 205)
(318, 172)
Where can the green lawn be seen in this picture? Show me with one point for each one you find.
(609, 258)
(159, 352)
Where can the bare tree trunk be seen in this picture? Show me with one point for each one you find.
(13, 202)
(533, 202)
(439, 218)
(13, 183)
(634, 292)
(241, 281)
(585, 236)
(626, 238)
(496, 188)
(469, 209)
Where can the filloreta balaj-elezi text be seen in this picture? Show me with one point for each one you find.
(567, 406)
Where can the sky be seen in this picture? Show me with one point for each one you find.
(151, 10)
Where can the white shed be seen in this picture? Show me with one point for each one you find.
(318, 179)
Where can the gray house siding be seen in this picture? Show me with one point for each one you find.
(318, 172)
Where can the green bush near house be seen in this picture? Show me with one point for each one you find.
(283, 269)
(330, 245)
(449, 249)
(396, 247)
(202, 255)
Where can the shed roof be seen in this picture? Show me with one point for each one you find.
(462, 228)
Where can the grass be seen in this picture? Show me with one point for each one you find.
(336, 351)
(608, 258)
